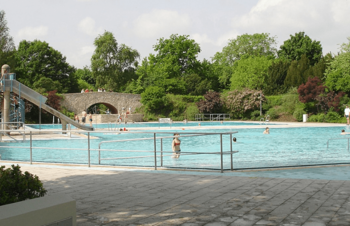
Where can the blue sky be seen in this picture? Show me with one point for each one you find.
(70, 26)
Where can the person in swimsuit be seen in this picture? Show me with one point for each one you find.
(76, 118)
(175, 145)
(90, 118)
(83, 117)
(346, 114)
(266, 131)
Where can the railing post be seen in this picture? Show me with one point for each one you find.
(31, 148)
(348, 144)
(231, 151)
(89, 148)
(155, 152)
(161, 152)
(221, 154)
(99, 156)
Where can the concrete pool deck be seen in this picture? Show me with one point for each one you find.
(126, 197)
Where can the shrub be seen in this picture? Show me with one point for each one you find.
(255, 115)
(317, 118)
(211, 104)
(15, 186)
(298, 114)
(273, 113)
(154, 98)
(332, 116)
(191, 111)
(240, 102)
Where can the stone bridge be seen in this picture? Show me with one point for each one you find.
(77, 102)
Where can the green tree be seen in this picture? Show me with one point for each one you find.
(250, 73)
(345, 47)
(242, 47)
(113, 65)
(37, 60)
(175, 59)
(337, 75)
(299, 45)
(7, 46)
(154, 98)
(275, 76)
(296, 72)
(86, 75)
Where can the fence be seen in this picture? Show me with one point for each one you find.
(157, 154)
(212, 117)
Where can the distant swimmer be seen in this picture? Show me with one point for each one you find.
(343, 132)
(234, 139)
(266, 131)
(175, 145)
(199, 124)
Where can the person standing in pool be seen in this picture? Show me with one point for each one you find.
(266, 131)
(90, 118)
(346, 114)
(176, 146)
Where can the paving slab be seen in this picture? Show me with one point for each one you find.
(132, 198)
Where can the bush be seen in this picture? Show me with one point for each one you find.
(154, 98)
(273, 113)
(15, 186)
(332, 116)
(191, 111)
(317, 118)
(255, 115)
(298, 114)
(272, 101)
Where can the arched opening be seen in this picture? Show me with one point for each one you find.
(102, 108)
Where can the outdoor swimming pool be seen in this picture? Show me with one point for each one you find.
(282, 147)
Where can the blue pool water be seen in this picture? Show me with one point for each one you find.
(282, 147)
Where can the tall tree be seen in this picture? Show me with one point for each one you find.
(275, 76)
(296, 72)
(174, 62)
(113, 65)
(7, 46)
(298, 45)
(250, 73)
(40, 65)
(243, 46)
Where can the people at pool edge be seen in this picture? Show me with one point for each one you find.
(346, 114)
(76, 118)
(175, 145)
(90, 118)
(83, 117)
(266, 131)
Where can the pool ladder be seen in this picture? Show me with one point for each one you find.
(265, 120)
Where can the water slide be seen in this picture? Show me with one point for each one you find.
(39, 100)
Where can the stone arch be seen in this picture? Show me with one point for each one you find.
(112, 109)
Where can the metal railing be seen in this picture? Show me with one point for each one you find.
(212, 117)
(343, 138)
(6, 126)
(156, 153)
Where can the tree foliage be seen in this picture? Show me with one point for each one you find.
(275, 76)
(337, 75)
(310, 90)
(299, 45)
(211, 104)
(295, 74)
(16, 186)
(113, 65)
(154, 98)
(54, 100)
(243, 46)
(250, 73)
(7, 45)
(39, 64)
(175, 67)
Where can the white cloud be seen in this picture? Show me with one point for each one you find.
(221, 41)
(160, 23)
(87, 50)
(32, 32)
(87, 26)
